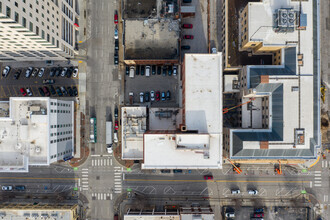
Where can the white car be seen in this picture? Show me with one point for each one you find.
(116, 33)
(141, 97)
(253, 192)
(6, 71)
(64, 71)
(235, 191)
(28, 72)
(109, 149)
(152, 96)
(75, 72)
(7, 188)
(29, 92)
(175, 71)
(41, 72)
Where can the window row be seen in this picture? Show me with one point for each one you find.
(60, 140)
(61, 126)
(60, 154)
(60, 133)
(60, 104)
(59, 111)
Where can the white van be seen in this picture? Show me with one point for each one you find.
(147, 70)
(115, 137)
(131, 72)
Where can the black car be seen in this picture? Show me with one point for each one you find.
(17, 74)
(153, 71)
(116, 44)
(185, 47)
(58, 90)
(52, 72)
(137, 70)
(127, 70)
(70, 91)
(64, 90)
(69, 72)
(20, 188)
(186, 1)
(159, 70)
(116, 58)
(142, 70)
(41, 91)
(169, 70)
(58, 71)
(116, 112)
(165, 171)
(168, 95)
(147, 96)
(164, 71)
(75, 91)
(52, 90)
(177, 171)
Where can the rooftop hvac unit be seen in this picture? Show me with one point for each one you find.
(37, 149)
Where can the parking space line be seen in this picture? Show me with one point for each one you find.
(2, 92)
(15, 91)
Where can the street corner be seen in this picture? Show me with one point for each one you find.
(117, 156)
(76, 162)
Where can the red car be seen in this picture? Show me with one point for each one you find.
(188, 26)
(116, 125)
(116, 17)
(23, 91)
(188, 37)
(157, 96)
(208, 177)
(258, 215)
(46, 91)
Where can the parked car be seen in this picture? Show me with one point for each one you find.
(28, 72)
(41, 72)
(48, 81)
(137, 70)
(141, 97)
(131, 71)
(116, 44)
(258, 215)
(17, 74)
(147, 70)
(258, 210)
(159, 70)
(189, 37)
(214, 50)
(58, 71)
(35, 72)
(116, 125)
(163, 96)
(58, 90)
(7, 188)
(115, 137)
(116, 33)
(75, 72)
(127, 70)
(75, 90)
(116, 58)
(64, 70)
(168, 95)
(230, 214)
(52, 90)
(153, 71)
(142, 70)
(29, 92)
(152, 96)
(157, 96)
(165, 171)
(20, 188)
(186, 1)
(208, 177)
(6, 71)
(23, 91)
(69, 72)
(175, 70)
(52, 72)
(253, 192)
(46, 90)
(70, 91)
(188, 26)
(109, 149)
(235, 191)
(147, 97)
(177, 171)
(185, 47)
(116, 112)
(164, 70)
(42, 93)
(170, 70)
(116, 17)
(64, 90)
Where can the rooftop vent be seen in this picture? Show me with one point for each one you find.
(285, 20)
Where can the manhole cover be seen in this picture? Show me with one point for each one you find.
(97, 177)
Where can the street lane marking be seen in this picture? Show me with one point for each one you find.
(311, 184)
(101, 162)
(111, 196)
(39, 178)
(317, 185)
(318, 171)
(318, 174)
(220, 181)
(84, 172)
(111, 162)
(117, 167)
(79, 182)
(93, 163)
(326, 197)
(85, 175)
(318, 181)
(84, 168)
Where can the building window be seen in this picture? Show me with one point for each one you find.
(23, 1)
(16, 4)
(43, 36)
(31, 15)
(16, 17)
(30, 5)
(23, 9)
(24, 21)
(8, 11)
(31, 26)
(48, 38)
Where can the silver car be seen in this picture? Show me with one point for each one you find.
(141, 97)
(7, 188)
(64, 71)
(41, 72)
(6, 71)
(28, 72)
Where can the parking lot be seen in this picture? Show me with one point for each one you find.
(10, 87)
(158, 82)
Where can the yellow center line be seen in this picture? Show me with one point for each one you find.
(220, 181)
(38, 178)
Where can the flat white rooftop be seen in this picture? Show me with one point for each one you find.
(151, 217)
(134, 125)
(24, 134)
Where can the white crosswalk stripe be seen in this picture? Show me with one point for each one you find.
(318, 177)
(101, 162)
(84, 179)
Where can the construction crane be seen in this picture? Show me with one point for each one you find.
(278, 168)
(235, 166)
(226, 110)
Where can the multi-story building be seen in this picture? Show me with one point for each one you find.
(38, 30)
(35, 131)
(280, 114)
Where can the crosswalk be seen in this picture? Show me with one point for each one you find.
(118, 179)
(317, 178)
(101, 196)
(101, 162)
(84, 179)
(325, 163)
